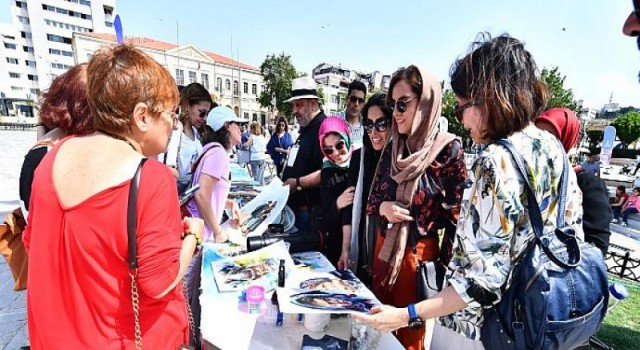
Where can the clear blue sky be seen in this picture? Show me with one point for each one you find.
(384, 35)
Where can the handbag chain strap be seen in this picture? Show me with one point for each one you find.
(132, 226)
(133, 262)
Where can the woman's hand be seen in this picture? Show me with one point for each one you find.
(236, 214)
(346, 198)
(394, 213)
(385, 318)
(343, 262)
(221, 236)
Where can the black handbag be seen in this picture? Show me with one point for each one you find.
(558, 294)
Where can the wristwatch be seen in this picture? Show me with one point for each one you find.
(298, 185)
(415, 322)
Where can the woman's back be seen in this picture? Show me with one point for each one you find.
(487, 226)
(77, 242)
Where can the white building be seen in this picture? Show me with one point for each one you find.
(36, 47)
(335, 80)
(231, 83)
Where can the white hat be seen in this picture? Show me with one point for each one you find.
(220, 115)
(304, 87)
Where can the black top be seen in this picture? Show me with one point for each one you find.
(308, 160)
(31, 162)
(330, 221)
(597, 211)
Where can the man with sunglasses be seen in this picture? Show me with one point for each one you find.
(302, 168)
(352, 113)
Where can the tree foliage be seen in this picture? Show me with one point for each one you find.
(559, 96)
(627, 127)
(455, 125)
(277, 72)
(595, 137)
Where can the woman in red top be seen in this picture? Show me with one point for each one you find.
(79, 284)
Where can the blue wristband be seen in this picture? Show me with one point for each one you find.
(412, 311)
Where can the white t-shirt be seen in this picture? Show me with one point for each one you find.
(259, 147)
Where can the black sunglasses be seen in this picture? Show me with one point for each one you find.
(354, 99)
(339, 146)
(400, 104)
(458, 110)
(381, 125)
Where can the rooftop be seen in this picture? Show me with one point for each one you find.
(165, 46)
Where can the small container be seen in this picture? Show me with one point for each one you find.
(318, 323)
(363, 336)
(255, 297)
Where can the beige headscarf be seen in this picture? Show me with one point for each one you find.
(424, 144)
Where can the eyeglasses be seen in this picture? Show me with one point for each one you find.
(381, 125)
(203, 114)
(401, 104)
(339, 146)
(354, 99)
(174, 119)
(458, 110)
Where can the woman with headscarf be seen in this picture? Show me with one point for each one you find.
(498, 94)
(336, 147)
(416, 193)
(376, 121)
(565, 125)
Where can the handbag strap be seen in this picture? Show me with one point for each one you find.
(132, 223)
(132, 226)
(534, 209)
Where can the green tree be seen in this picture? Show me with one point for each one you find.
(627, 127)
(595, 137)
(277, 72)
(455, 125)
(559, 96)
(322, 98)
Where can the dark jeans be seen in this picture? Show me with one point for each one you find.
(627, 212)
(616, 212)
(192, 278)
(304, 221)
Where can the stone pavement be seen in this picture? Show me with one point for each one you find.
(13, 312)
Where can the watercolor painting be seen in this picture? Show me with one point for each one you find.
(259, 267)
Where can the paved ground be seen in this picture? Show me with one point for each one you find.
(13, 312)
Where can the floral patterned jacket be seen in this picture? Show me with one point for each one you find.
(494, 226)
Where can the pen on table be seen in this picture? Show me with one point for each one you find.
(274, 299)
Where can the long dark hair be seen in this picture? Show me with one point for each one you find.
(371, 156)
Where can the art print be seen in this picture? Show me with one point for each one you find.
(259, 267)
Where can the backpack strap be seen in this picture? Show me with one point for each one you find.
(535, 215)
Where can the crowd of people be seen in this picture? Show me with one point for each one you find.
(386, 187)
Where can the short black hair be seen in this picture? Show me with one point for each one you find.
(357, 85)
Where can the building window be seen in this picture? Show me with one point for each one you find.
(30, 63)
(254, 89)
(219, 84)
(26, 35)
(35, 91)
(58, 39)
(179, 77)
(108, 24)
(246, 115)
(227, 84)
(21, 4)
(245, 87)
(60, 65)
(16, 88)
(32, 77)
(14, 75)
(192, 77)
(205, 80)
(28, 49)
(9, 46)
(12, 60)
(23, 20)
(235, 87)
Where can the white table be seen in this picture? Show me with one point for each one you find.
(224, 326)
